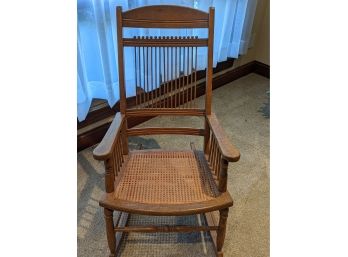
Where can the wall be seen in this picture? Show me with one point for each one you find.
(260, 49)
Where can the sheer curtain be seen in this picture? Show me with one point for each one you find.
(97, 43)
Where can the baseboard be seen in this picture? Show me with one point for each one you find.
(261, 69)
(91, 133)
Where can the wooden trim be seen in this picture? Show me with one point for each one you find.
(91, 137)
(212, 219)
(161, 16)
(104, 149)
(228, 151)
(164, 24)
(97, 113)
(209, 73)
(164, 111)
(122, 221)
(109, 222)
(222, 201)
(164, 131)
(221, 233)
(262, 69)
(96, 134)
(115, 238)
(120, 60)
(170, 42)
(165, 229)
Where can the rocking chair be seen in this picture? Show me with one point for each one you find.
(162, 182)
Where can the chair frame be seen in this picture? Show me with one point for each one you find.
(113, 149)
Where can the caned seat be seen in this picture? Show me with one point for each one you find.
(156, 181)
(165, 182)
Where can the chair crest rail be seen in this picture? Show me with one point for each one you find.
(165, 16)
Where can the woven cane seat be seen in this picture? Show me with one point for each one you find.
(167, 179)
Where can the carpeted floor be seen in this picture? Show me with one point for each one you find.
(242, 107)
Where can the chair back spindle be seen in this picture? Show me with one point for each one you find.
(165, 77)
(165, 66)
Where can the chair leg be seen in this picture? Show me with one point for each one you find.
(221, 232)
(110, 232)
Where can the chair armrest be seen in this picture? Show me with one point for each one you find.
(104, 150)
(228, 151)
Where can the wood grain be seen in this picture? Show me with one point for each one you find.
(228, 151)
(120, 60)
(169, 42)
(165, 131)
(165, 16)
(222, 201)
(165, 111)
(209, 75)
(108, 214)
(104, 149)
(166, 229)
(159, 182)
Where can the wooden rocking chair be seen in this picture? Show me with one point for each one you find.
(158, 182)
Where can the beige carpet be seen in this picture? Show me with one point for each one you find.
(242, 107)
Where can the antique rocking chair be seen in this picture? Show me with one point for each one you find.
(159, 182)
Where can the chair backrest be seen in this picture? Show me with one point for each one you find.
(165, 67)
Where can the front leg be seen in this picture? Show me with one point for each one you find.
(221, 232)
(110, 232)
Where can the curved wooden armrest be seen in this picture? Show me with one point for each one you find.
(105, 147)
(228, 151)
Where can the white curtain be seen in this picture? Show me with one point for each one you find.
(97, 42)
